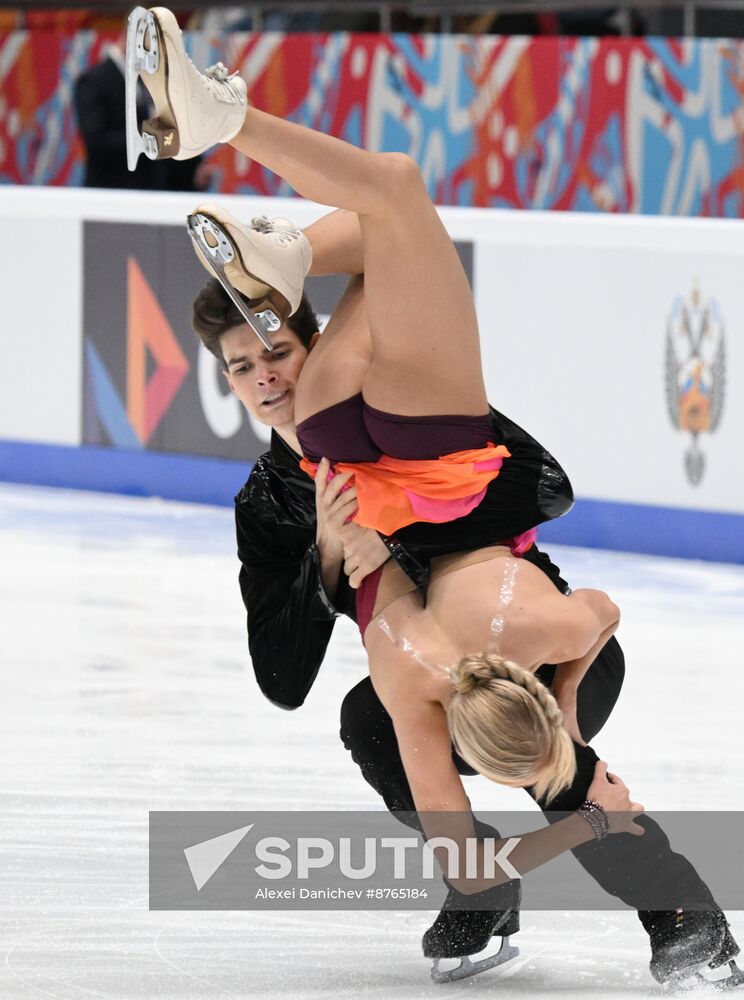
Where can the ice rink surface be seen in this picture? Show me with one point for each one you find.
(126, 687)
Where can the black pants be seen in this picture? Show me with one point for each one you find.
(638, 870)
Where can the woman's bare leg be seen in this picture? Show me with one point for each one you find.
(424, 333)
(336, 240)
(345, 349)
(337, 366)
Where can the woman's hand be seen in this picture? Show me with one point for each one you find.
(566, 698)
(364, 552)
(612, 794)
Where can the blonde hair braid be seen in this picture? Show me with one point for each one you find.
(507, 725)
(481, 669)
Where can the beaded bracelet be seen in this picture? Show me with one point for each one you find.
(596, 817)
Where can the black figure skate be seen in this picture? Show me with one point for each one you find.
(686, 942)
(458, 933)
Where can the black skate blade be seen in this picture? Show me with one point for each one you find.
(468, 968)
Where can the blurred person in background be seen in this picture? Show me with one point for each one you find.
(99, 106)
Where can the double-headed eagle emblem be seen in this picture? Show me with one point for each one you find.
(695, 373)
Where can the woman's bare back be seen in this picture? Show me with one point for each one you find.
(483, 601)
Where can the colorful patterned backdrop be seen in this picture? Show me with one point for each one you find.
(629, 125)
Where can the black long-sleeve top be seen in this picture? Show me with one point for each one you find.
(290, 617)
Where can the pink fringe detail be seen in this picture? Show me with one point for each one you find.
(489, 464)
(520, 543)
(438, 511)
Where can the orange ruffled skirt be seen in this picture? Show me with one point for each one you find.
(393, 492)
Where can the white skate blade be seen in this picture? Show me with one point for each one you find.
(469, 968)
(214, 254)
(139, 60)
(734, 978)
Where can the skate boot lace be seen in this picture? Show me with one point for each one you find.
(218, 81)
(284, 237)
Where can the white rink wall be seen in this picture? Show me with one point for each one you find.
(574, 313)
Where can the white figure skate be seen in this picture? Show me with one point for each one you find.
(193, 110)
(265, 262)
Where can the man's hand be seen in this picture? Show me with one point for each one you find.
(364, 552)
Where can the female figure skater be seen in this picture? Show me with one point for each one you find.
(400, 354)
(393, 393)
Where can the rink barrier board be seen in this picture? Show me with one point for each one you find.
(589, 302)
(659, 531)
(189, 478)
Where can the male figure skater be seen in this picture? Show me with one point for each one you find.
(193, 111)
(300, 561)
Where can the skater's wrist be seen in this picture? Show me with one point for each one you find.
(596, 817)
(330, 561)
(330, 548)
